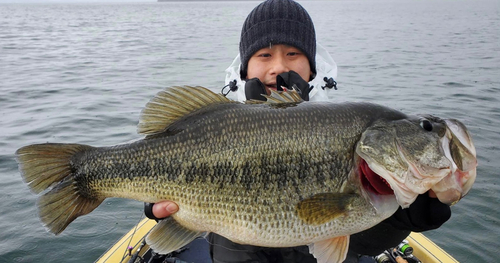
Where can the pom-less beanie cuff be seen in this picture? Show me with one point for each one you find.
(277, 22)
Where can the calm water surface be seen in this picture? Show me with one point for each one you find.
(82, 73)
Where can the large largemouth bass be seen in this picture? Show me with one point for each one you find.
(276, 174)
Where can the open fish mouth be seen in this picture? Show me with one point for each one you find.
(372, 181)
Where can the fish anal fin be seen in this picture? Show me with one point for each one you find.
(322, 208)
(172, 104)
(331, 250)
(168, 235)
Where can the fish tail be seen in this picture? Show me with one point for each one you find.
(48, 168)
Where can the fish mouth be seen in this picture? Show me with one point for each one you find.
(460, 150)
(372, 181)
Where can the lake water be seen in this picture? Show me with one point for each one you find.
(82, 73)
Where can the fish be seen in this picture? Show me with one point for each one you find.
(279, 173)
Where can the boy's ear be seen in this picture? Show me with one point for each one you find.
(243, 72)
(311, 76)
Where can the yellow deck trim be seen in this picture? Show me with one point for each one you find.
(427, 251)
(423, 248)
(118, 252)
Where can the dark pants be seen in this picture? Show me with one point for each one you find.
(224, 250)
(369, 242)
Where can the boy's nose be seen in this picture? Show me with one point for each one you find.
(278, 66)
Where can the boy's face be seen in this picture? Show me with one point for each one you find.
(267, 63)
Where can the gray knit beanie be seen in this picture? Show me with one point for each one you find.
(277, 22)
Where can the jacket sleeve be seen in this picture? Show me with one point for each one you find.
(424, 214)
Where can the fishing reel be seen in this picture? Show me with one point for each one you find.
(403, 253)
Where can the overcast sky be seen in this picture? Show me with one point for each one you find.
(86, 1)
(73, 1)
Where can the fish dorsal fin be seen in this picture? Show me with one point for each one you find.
(323, 208)
(171, 104)
(168, 236)
(330, 250)
(279, 97)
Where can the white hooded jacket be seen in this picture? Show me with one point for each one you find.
(325, 67)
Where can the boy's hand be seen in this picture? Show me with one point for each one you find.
(292, 79)
(160, 210)
(254, 89)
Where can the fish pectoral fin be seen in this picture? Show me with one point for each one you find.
(168, 235)
(325, 207)
(330, 250)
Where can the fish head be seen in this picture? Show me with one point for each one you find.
(412, 155)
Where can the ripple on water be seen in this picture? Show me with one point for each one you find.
(21, 202)
(95, 225)
(457, 85)
(29, 245)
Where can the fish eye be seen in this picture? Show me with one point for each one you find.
(426, 125)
